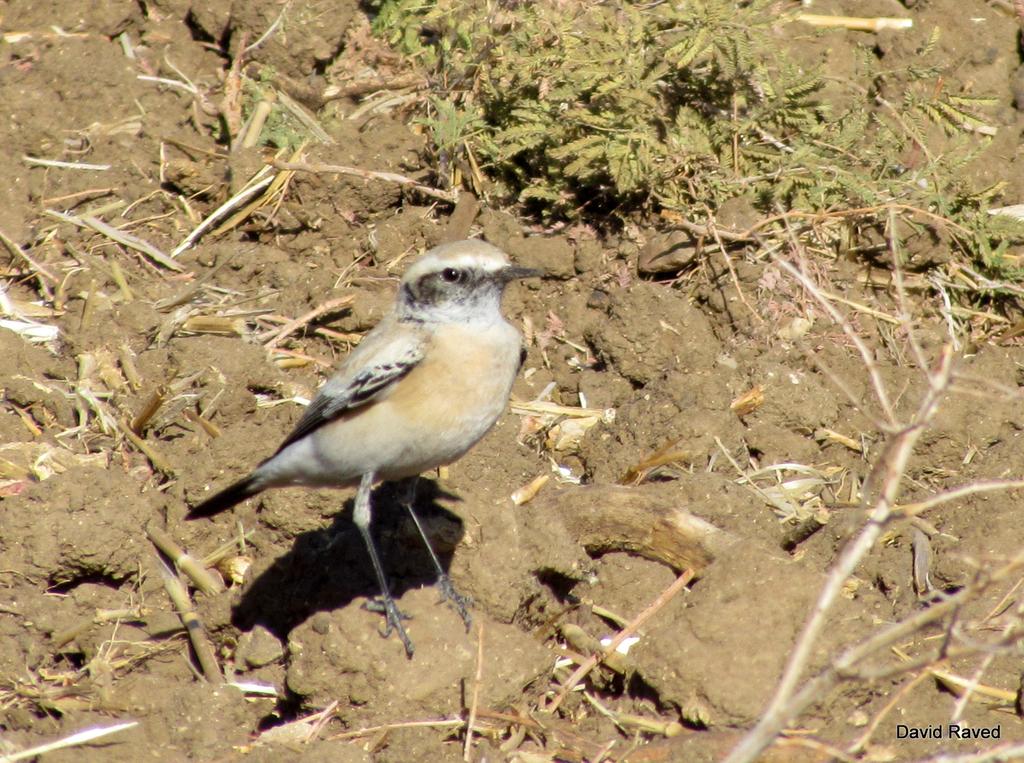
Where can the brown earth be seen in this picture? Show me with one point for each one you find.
(88, 635)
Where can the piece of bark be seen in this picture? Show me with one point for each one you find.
(462, 217)
(668, 253)
(604, 518)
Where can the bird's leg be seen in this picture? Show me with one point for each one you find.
(460, 602)
(361, 516)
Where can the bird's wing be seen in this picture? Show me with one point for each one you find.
(385, 355)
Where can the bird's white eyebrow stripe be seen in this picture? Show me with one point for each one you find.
(472, 262)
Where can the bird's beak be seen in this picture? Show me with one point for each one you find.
(514, 273)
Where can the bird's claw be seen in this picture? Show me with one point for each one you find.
(460, 602)
(393, 618)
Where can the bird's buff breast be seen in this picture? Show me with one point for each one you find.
(436, 413)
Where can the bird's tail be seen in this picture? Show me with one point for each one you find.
(226, 498)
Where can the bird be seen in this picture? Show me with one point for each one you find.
(421, 389)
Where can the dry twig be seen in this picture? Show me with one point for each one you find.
(255, 186)
(329, 306)
(370, 85)
(881, 492)
(78, 738)
(195, 570)
(193, 625)
(591, 662)
(856, 23)
(391, 177)
(125, 239)
(474, 705)
(17, 251)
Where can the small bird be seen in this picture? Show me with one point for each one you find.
(419, 391)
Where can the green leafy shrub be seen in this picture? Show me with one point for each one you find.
(585, 109)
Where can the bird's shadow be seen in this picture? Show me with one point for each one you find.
(328, 567)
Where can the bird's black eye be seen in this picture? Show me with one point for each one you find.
(451, 275)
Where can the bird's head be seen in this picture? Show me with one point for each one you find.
(458, 282)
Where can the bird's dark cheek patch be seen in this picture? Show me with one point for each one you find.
(429, 291)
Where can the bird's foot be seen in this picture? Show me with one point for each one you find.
(460, 602)
(393, 618)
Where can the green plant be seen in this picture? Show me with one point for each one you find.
(581, 109)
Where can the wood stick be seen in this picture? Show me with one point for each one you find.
(17, 251)
(467, 751)
(391, 177)
(312, 315)
(362, 87)
(149, 409)
(197, 573)
(655, 606)
(159, 463)
(855, 23)
(605, 518)
(462, 217)
(193, 625)
(125, 239)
